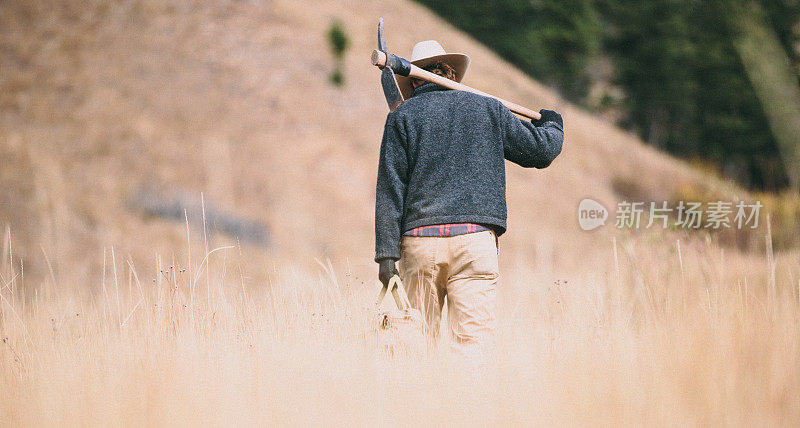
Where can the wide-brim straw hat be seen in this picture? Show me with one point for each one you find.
(428, 52)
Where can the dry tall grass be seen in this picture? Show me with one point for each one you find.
(663, 334)
(103, 99)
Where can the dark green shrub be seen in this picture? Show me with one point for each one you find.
(338, 42)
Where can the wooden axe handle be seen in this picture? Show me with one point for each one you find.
(379, 59)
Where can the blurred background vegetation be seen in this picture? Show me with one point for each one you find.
(668, 70)
(338, 43)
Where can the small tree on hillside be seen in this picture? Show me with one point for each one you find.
(338, 42)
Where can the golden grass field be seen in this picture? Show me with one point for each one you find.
(113, 315)
(659, 336)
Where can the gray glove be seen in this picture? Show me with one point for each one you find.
(548, 116)
(386, 270)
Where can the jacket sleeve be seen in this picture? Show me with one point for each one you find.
(390, 190)
(529, 145)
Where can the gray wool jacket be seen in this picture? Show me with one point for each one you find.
(442, 161)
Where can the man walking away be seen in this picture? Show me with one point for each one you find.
(441, 197)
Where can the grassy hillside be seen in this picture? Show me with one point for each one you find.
(104, 103)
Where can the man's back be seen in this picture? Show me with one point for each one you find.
(442, 162)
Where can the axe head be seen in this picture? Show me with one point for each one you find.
(381, 36)
(390, 89)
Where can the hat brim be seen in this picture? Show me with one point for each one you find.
(459, 62)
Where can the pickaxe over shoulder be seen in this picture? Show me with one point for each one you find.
(391, 64)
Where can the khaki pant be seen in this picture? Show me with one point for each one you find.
(464, 270)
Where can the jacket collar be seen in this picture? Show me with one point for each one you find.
(428, 87)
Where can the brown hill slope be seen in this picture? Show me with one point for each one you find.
(117, 115)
